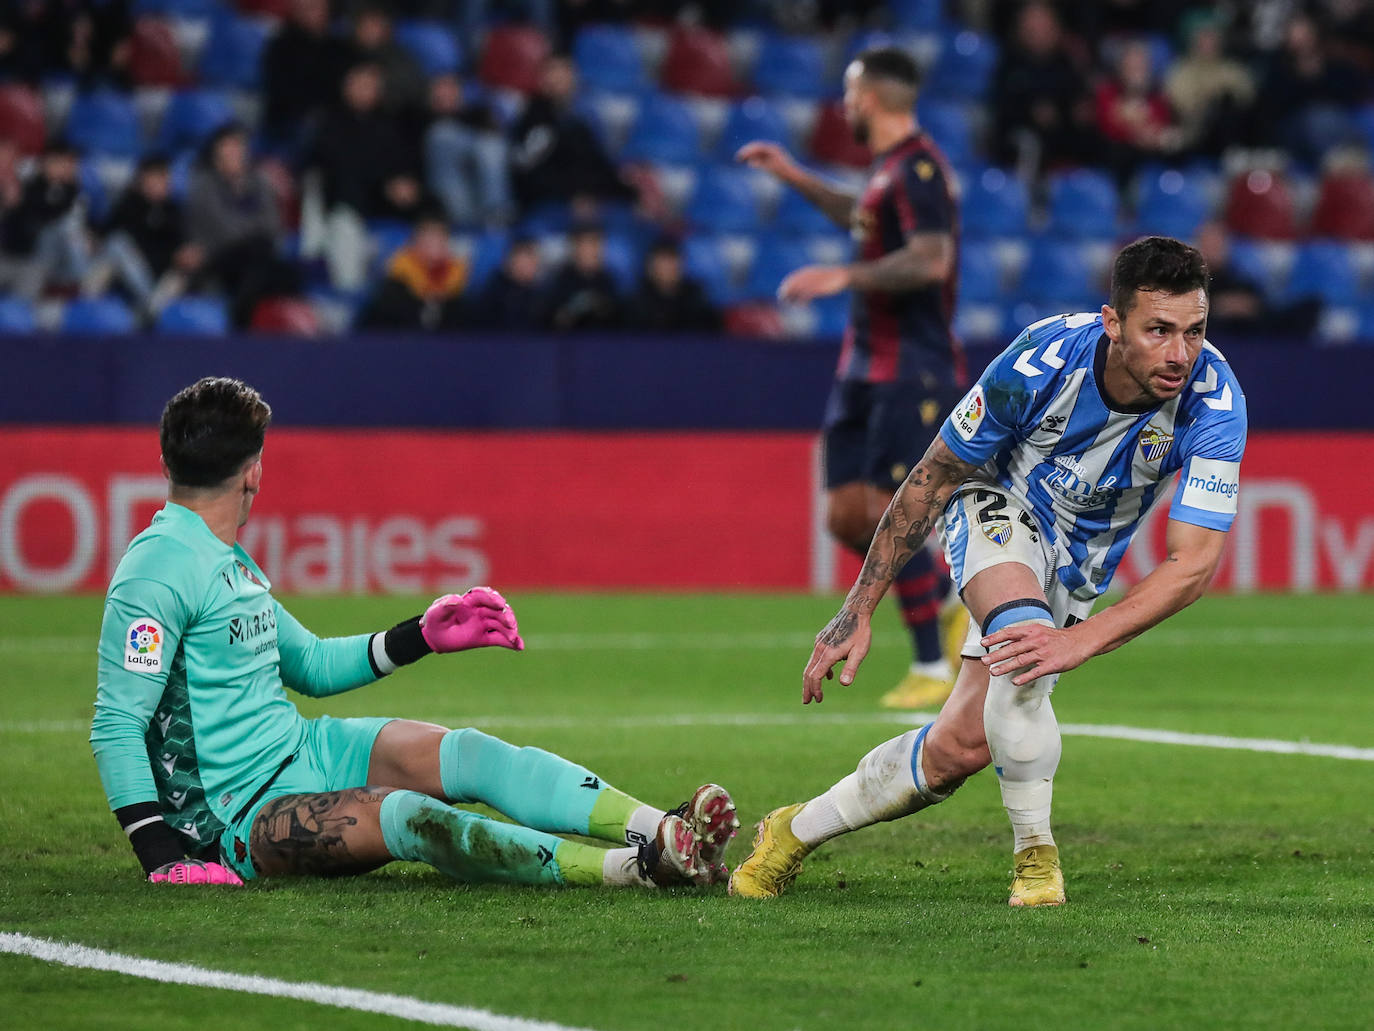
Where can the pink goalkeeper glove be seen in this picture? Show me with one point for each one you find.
(193, 871)
(476, 619)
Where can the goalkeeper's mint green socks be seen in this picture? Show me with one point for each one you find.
(540, 789)
(477, 849)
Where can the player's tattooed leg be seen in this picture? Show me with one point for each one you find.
(333, 833)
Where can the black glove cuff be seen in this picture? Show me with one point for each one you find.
(405, 643)
(154, 842)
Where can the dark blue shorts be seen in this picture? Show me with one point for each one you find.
(876, 432)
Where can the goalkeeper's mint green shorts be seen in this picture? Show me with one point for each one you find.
(335, 756)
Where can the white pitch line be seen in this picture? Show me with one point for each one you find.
(767, 640)
(650, 721)
(402, 1006)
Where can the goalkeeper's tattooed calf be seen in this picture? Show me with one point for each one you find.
(309, 834)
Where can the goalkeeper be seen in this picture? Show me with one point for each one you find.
(215, 776)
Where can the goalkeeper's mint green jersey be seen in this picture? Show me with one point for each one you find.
(190, 710)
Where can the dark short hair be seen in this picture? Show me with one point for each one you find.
(1156, 263)
(891, 63)
(210, 429)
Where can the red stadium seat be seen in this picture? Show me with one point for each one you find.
(513, 56)
(154, 59)
(292, 315)
(1345, 207)
(754, 320)
(1260, 205)
(21, 118)
(698, 61)
(833, 142)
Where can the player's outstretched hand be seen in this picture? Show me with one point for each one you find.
(847, 636)
(767, 157)
(812, 281)
(476, 619)
(194, 871)
(1035, 649)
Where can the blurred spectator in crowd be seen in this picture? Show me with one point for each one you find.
(46, 236)
(1209, 92)
(301, 68)
(515, 297)
(403, 84)
(1304, 91)
(1096, 19)
(1237, 306)
(668, 300)
(11, 183)
(146, 248)
(466, 157)
(583, 294)
(85, 41)
(1133, 116)
(555, 154)
(423, 285)
(1040, 94)
(365, 170)
(232, 216)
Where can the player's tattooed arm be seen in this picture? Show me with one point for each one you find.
(927, 258)
(326, 834)
(908, 521)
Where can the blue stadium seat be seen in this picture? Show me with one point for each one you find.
(16, 316)
(980, 278)
(387, 236)
(1084, 205)
(1057, 273)
(796, 216)
(104, 122)
(1173, 202)
(751, 119)
(950, 125)
(704, 260)
(924, 15)
(1256, 260)
(623, 259)
(194, 316)
(793, 66)
(723, 201)
(995, 204)
(1365, 335)
(776, 259)
(179, 8)
(190, 118)
(964, 69)
(433, 45)
(664, 131)
(96, 315)
(832, 315)
(93, 187)
(488, 251)
(232, 56)
(1325, 270)
(608, 58)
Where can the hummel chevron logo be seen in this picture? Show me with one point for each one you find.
(591, 782)
(1050, 357)
(1207, 384)
(545, 856)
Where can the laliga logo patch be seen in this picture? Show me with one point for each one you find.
(1155, 443)
(969, 414)
(143, 646)
(249, 574)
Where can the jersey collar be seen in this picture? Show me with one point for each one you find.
(1099, 367)
(189, 522)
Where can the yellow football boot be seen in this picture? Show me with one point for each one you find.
(917, 691)
(776, 859)
(954, 620)
(1038, 880)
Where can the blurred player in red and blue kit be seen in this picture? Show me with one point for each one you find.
(901, 368)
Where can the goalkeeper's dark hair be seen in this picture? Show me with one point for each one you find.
(1156, 263)
(210, 429)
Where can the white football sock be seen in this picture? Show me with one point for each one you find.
(882, 788)
(1023, 737)
(620, 867)
(643, 824)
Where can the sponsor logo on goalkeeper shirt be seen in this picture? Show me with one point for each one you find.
(143, 646)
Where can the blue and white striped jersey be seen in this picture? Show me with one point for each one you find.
(1038, 423)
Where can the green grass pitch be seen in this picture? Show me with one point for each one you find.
(1208, 888)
